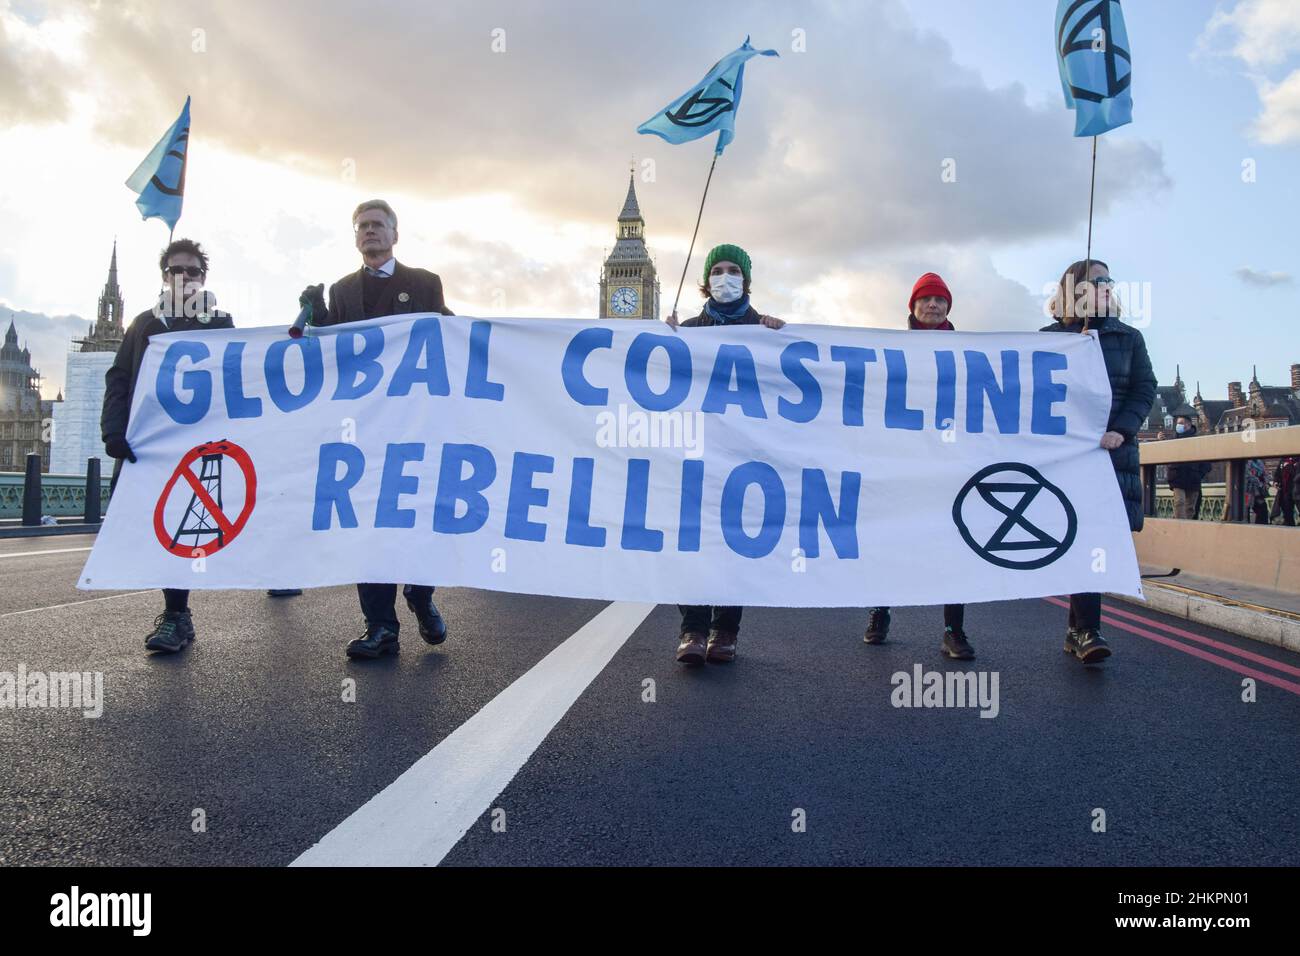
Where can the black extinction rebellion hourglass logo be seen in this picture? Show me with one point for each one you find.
(1014, 511)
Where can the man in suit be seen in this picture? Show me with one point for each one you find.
(382, 286)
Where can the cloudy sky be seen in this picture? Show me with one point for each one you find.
(503, 135)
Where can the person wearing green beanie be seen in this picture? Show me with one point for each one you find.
(709, 632)
(725, 287)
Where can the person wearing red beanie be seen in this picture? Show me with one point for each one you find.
(935, 302)
(928, 309)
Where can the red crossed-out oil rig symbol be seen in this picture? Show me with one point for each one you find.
(204, 527)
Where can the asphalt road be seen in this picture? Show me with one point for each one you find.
(793, 755)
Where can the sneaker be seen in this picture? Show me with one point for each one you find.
(877, 626)
(956, 645)
(172, 630)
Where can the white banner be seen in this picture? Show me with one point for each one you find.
(815, 466)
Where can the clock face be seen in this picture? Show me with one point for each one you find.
(623, 301)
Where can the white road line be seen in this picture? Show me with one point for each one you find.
(55, 607)
(32, 554)
(420, 816)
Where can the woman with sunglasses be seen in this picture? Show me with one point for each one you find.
(1084, 303)
(183, 305)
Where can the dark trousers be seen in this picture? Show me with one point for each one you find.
(954, 615)
(379, 601)
(174, 599)
(1260, 508)
(1085, 611)
(705, 617)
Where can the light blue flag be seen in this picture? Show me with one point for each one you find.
(160, 179)
(709, 105)
(1093, 56)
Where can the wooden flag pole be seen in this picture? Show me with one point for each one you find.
(690, 251)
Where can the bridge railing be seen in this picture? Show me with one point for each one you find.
(1266, 556)
(60, 496)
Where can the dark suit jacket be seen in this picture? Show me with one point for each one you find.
(423, 291)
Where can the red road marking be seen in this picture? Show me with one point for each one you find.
(1273, 679)
(222, 521)
(1249, 655)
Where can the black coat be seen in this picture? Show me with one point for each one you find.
(119, 380)
(421, 288)
(751, 317)
(1187, 475)
(1133, 392)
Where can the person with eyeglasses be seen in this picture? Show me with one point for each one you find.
(382, 286)
(1084, 302)
(183, 305)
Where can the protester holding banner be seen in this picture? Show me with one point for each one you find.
(928, 309)
(183, 305)
(708, 632)
(382, 286)
(1083, 303)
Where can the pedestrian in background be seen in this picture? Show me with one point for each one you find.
(1185, 477)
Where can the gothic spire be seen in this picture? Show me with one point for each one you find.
(631, 208)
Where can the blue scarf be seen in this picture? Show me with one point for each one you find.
(726, 313)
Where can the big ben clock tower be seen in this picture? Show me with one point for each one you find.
(629, 286)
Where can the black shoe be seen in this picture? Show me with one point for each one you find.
(283, 592)
(377, 639)
(877, 626)
(1072, 640)
(172, 630)
(956, 646)
(432, 627)
(1092, 647)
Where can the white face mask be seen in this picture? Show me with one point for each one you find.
(1180, 428)
(726, 288)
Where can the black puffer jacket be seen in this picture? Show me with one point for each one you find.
(1133, 392)
(119, 381)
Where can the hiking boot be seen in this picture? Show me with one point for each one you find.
(722, 647)
(692, 648)
(172, 630)
(1092, 647)
(956, 646)
(877, 626)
